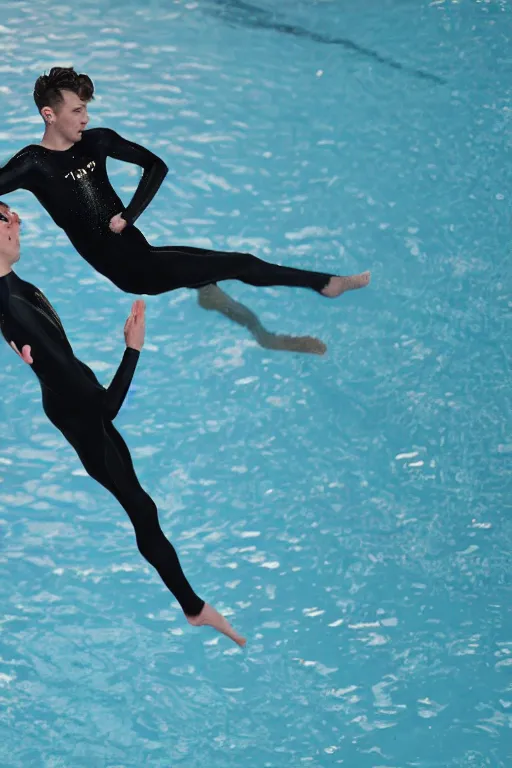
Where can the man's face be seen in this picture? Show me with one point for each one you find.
(9, 234)
(70, 117)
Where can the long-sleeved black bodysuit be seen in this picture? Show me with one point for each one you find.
(74, 187)
(77, 404)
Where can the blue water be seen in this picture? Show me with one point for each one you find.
(350, 514)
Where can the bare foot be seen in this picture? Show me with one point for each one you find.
(212, 618)
(338, 285)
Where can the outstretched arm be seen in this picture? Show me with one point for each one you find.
(120, 384)
(155, 171)
(134, 330)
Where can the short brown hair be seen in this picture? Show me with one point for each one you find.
(47, 89)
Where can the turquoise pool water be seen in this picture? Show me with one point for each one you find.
(350, 514)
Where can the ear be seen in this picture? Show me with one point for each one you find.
(47, 113)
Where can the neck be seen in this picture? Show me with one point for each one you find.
(5, 267)
(53, 140)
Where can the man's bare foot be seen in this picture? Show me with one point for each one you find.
(338, 285)
(212, 618)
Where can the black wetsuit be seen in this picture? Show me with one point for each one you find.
(74, 188)
(77, 404)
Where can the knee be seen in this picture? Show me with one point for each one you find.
(143, 515)
(153, 546)
(148, 533)
(248, 264)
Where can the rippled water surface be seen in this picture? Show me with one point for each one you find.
(351, 513)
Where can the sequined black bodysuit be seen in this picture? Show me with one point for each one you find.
(77, 404)
(74, 187)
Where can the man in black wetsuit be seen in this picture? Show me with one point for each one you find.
(67, 173)
(77, 404)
